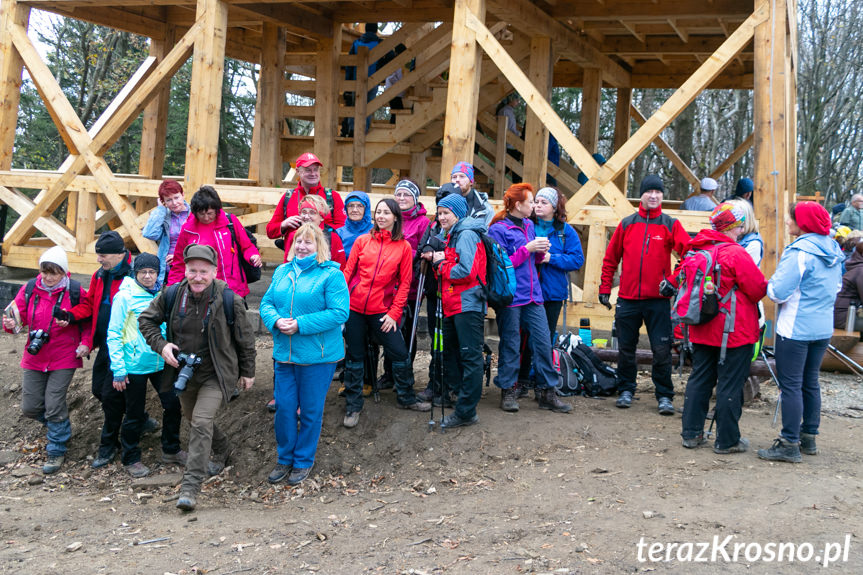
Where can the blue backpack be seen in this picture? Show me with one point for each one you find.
(500, 274)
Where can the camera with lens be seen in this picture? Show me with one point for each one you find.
(188, 363)
(38, 338)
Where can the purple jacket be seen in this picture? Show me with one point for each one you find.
(414, 226)
(513, 239)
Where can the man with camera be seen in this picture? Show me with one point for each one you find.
(209, 350)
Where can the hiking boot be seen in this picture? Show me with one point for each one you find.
(103, 460)
(298, 475)
(694, 442)
(137, 470)
(351, 419)
(417, 406)
(367, 390)
(385, 381)
(807, 444)
(625, 400)
(342, 390)
(178, 458)
(522, 389)
(548, 400)
(150, 426)
(453, 420)
(53, 464)
(186, 502)
(426, 395)
(279, 472)
(217, 462)
(665, 406)
(271, 406)
(741, 447)
(508, 399)
(782, 451)
(439, 400)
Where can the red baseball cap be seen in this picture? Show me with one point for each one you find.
(308, 159)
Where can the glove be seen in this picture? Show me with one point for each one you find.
(63, 315)
(666, 289)
(603, 299)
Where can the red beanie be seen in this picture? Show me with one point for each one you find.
(812, 218)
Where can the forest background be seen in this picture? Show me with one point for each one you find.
(92, 64)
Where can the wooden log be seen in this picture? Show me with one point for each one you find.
(669, 152)
(645, 357)
(535, 133)
(11, 74)
(500, 157)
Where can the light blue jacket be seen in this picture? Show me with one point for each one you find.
(805, 284)
(127, 349)
(317, 297)
(158, 229)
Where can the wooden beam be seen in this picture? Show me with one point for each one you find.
(591, 103)
(681, 98)
(463, 93)
(669, 152)
(327, 104)
(500, 157)
(418, 171)
(738, 153)
(622, 128)
(154, 130)
(268, 120)
(362, 175)
(535, 157)
(11, 72)
(53, 229)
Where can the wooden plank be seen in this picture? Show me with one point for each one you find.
(462, 96)
(418, 172)
(681, 98)
(205, 97)
(11, 74)
(596, 245)
(269, 122)
(535, 158)
(622, 127)
(362, 175)
(591, 101)
(154, 130)
(53, 229)
(669, 153)
(327, 104)
(738, 153)
(500, 183)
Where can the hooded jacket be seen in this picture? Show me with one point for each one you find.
(217, 235)
(335, 219)
(642, 244)
(158, 229)
(737, 269)
(379, 273)
(59, 351)
(415, 222)
(462, 272)
(352, 230)
(852, 289)
(233, 355)
(479, 207)
(127, 349)
(316, 295)
(566, 256)
(90, 306)
(807, 278)
(513, 238)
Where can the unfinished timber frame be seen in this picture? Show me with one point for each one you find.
(459, 59)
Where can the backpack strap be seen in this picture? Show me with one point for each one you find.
(327, 192)
(28, 293)
(171, 298)
(730, 317)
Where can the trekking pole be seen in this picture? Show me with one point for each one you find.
(776, 381)
(420, 284)
(849, 363)
(443, 390)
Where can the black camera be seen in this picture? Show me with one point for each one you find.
(38, 338)
(188, 361)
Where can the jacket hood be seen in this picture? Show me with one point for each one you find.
(365, 224)
(824, 248)
(855, 260)
(708, 237)
(131, 287)
(473, 224)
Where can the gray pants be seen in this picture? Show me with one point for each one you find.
(201, 403)
(44, 394)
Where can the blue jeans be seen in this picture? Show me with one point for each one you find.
(797, 366)
(304, 387)
(531, 317)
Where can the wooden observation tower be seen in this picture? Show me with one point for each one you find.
(484, 48)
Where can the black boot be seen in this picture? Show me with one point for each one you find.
(782, 451)
(807, 444)
(509, 399)
(403, 376)
(354, 371)
(548, 400)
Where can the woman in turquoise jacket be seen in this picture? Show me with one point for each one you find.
(133, 363)
(304, 308)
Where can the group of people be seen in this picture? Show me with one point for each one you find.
(354, 274)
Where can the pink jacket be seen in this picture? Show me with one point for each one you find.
(218, 236)
(415, 222)
(59, 351)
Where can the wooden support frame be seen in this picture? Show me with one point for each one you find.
(11, 73)
(268, 119)
(535, 132)
(622, 128)
(327, 104)
(669, 152)
(591, 102)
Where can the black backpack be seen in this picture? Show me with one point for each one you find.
(250, 272)
(74, 290)
(227, 305)
(582, 372)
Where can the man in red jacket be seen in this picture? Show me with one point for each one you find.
(286, 217)
(643, 243)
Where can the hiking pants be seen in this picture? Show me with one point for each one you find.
(201, 402)
(43, 398)
(656, 316)
(797, 366)
(510, 321)
(463, 359)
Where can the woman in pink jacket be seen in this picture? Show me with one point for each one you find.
(209, 226)
(53, 353)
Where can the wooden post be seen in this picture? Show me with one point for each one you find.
(500, 157)
(535, 133)
(11, 68)
(418, 172)
(463, 93)
(205, 98)
(591, 98)
(622, 126)
(362, 174)
(327, 105)
(269, 118)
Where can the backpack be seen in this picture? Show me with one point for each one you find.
(227, 305)
(327, 192)
(250, 272)
(499, 288)
(74, 290)
(581, 371)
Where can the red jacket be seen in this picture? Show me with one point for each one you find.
(737, 268)
(379, 273)
(89, 306)
(462, 272)
(59, 351)
(643, 242)
(335, 219)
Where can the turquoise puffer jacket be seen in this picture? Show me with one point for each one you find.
(128, 351)
(316, 295)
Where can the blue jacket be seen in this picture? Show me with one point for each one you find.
(158, 229)
(566, 256)
(127, 349)
(805, 285)
(316, 295)
(352, 230)
(513, 239)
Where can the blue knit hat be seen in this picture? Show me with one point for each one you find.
(744, 186)
(456, 204)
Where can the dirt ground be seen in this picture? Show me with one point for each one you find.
(532, 492)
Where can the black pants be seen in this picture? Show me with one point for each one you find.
(552, 313)
(656, 316)
(102, 375)
(463, 359)
(406, 328)
(728, 379)
(125, 416)
(436, 360)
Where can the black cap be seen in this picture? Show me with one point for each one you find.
(651, 182)
(110, 243)
(144, 262)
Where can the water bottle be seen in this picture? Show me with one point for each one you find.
(613, 335)
(584, 331)
(709, 287)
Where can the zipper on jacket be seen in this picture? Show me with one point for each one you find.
(374, 275)
(644, 245)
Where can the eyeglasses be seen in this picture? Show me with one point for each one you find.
(403, 195)
(148, 272)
